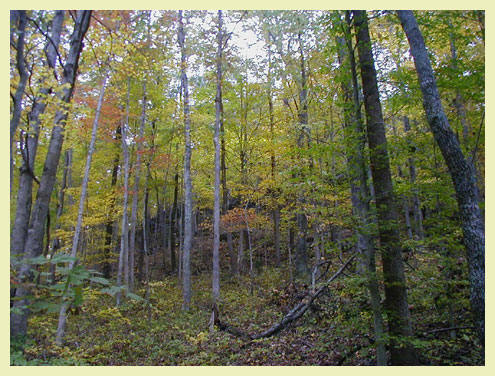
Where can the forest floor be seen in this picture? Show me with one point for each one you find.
(335, 331)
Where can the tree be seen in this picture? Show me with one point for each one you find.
(188, 231)
(77, 232)
(24, 194)
(396, 305)
(355, 139)
(122, 277)
(34, 242)
(216, 140)
(461, 171)
(19, 19)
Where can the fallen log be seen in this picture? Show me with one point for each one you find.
(294, 314)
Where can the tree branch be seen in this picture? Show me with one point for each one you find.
(294, 314)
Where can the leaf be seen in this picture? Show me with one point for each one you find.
(100, 280)
(78, 296)
(40, 260)
(112, 290)
(135, 297)
(62, 257)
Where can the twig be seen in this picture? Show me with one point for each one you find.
(294, 314)
(49, 39)
(448, 329)
(473, 155)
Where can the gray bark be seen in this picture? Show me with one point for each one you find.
(186, 252)
(34, 242)
(135, 192)
(301, 257)
(461, 171)
(216, 141)
(18, 17)
(418, 214)
(109, 227)
(124, 235)
(62, 319)
(24, 194)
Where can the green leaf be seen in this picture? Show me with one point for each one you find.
(62, 257)
(100, 280)
(40, 260)
(135, 297)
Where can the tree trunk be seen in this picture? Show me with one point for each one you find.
(301, 259)
(66, 182)
(360, 194)
(24, 194)
(173, 223)
(135, 193)
(62, 319)
(216, 140)
(399, 321)
(273, 162)
(110, 224)
(34, 242)
(461, 171)
(418, 214)
(124, 234)
(186, 252)
(19, 18)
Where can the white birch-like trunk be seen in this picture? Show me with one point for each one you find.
(62, 318)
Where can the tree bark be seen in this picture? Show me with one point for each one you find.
(62, 319)
(187, 245)
(135, 193)
(301, 257)
(19, 18)
(216, 141)
(418, 214)
(461, 171)
(124, 234)
(273, 161)
(360, 194)
(399, 321)
(173, 223)
(24, 194)
(109, 227)
(34, 242)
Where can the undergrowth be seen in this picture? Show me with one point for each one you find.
(337, 330)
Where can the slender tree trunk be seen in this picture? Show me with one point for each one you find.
(19, 18)
(186, 252)
(135, 193)
(109, 227)
(418, 214)
(146, 251)
(459, 100)
(216, 140)
(240, 252)
(461, 171)
(173, 223)
(405, 207)
(399, 321)
(124, 235)
(273, 162)
(301, 259)
(62, 319)
(66, 182)
(34, 242)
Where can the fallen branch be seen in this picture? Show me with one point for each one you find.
(449, 329)
(294, 314)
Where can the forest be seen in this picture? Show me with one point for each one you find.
(247, 187)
